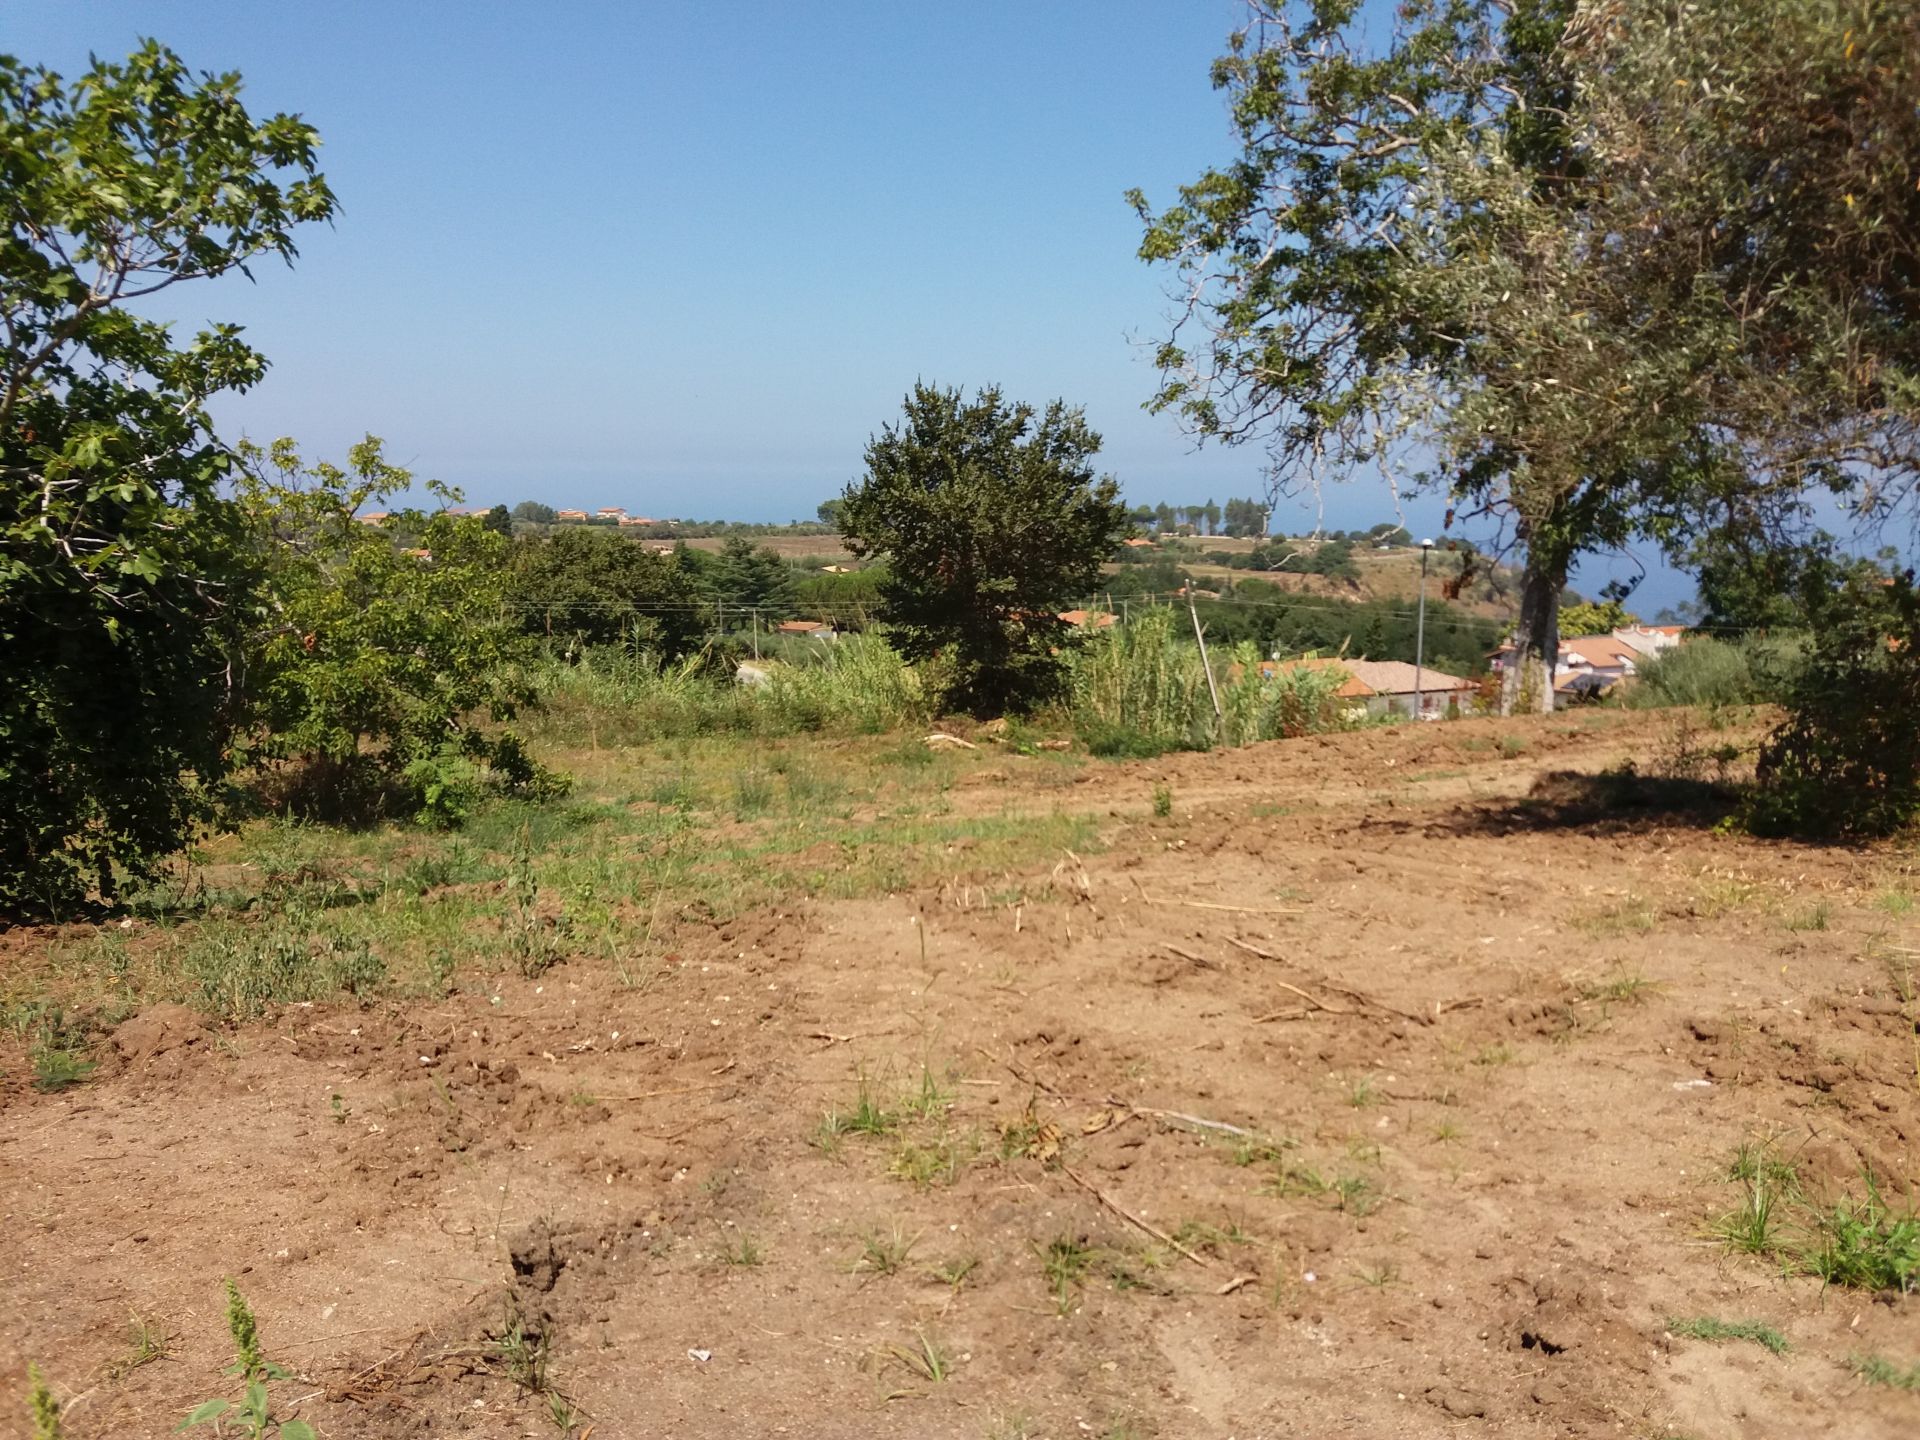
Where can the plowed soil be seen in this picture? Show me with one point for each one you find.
(1386, 1087)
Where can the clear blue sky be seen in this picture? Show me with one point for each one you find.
(685, 257)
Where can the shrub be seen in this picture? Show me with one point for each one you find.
(1846, 761)
(1707, 671)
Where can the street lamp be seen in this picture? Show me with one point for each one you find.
(1420, 632)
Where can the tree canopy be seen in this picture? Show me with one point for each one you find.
(992, 518)
(126, 579)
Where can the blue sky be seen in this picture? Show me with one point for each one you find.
(687, 257)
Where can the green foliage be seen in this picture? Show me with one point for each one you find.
(125, 582)
(1748, 670)
(534, 513)
(42, 1408)
(1878, 1370)
(382, 664)
(1706, 1327)
(1591, 618)
(252, 1415)
(1846, 761)
(991, 518)
(743, 577)
(584, 586)
(1866, 1244)
(829, 512)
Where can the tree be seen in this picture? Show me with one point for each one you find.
(1163, 516)
(745, 577)
(498, 521)
(379, 663)
(534, 513)
(126, 579)
(992, 518)
(1212, 512)
(585, 586)
(1246, 517)
(1327, 311)
(1601, 617)
(829, 512)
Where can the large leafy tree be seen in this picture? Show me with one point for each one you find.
(126, 583)
(992, 517)
(746, 576)
(1337, 279)
(583, 585)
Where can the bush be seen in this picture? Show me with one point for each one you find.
(1751, 670)
(1846, 761)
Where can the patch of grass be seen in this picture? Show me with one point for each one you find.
(1706, 1327)
(1622, 989)
(1753, 1226)
(929, 1099)
(1380, 1276)
(740, 1250)
(148, 1342)
(1512, 745)
(1494, 1055)
(883, 1252)
(932, 1162)
(1163, 801)
(1629, 915)
(866, 1116)
(752, 794)
(926, 1357)
(1865, 1244)
(1358, 1194)
(1064, 1263)
(954, 1273)
(1878, 1370)
(1446, 1132)
(1757, 1162)
(1817, 916)
(1896, 900)
(1362, 1092)
(521, 1351)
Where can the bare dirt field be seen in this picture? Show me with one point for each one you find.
(1390, 1084)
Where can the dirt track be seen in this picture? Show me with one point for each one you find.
(1480, 1158)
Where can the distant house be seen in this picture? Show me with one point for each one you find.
(1388, 687)
(813, 629)
(373, 517)
(836, 569)
(626, 520)
(569, 514)
(1137, 543)
(611, 512)
(1651, 639)
(457, 510)
(1088, 620)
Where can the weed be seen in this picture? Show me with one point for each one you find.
(1357, 1194)
(1030, 1137)
(884, 1252)
(522, 1351)
(1379, 1276)
(252, 1414)
(926, 1357)
(1620, 990)
(55, 1069)
(1288, 1180)
(41, 1405)
(954, 1273)
(1446, 1132)
(1752, 1227)
(752, 794)
(1362, 1093)
(147, 1343)
(1878, 1370)
(1896, 901)
(929, 1101)
(1815, 917)
(1495, 1055)
(58, 1052)
(932, 1162)
(1865, 1244)
(1706, 1327)
(1258, 1150)
(1064, 1262)
(868, 1116)
(1163, 801)
(533, 941)
(1756, 1163)
(560, 1411)
(1512, 745)
(740, 1250)
(1627, 916)
(337, 1107)
(1204, 1235)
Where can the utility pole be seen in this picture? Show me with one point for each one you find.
(756, 632)
(1420, 629)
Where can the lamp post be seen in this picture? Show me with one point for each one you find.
(1420, 633)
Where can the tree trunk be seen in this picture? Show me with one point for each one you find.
(1527, 682)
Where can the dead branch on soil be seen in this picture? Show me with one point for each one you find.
(1131, 1218)
(1355, 995)
(1231, 909)
(675, 1090)
(1190, 957)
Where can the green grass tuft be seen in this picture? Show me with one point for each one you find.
(1706, 1327)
